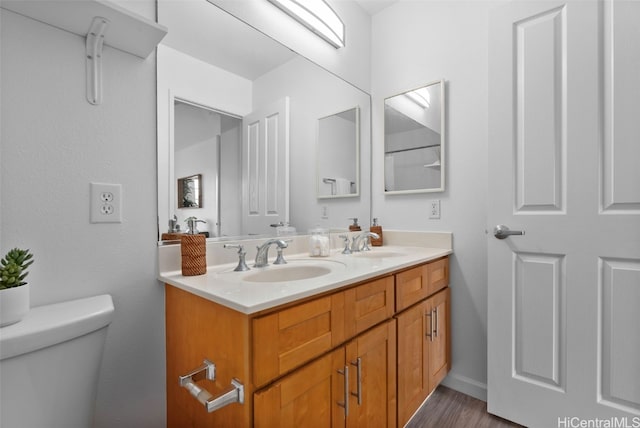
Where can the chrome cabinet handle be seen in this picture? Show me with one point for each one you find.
(345, 404)
(435, 330)
(430, 330)
(501, 231)
(358, 393)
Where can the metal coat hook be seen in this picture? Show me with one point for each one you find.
(94, 43)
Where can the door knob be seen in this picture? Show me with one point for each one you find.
(501, 231)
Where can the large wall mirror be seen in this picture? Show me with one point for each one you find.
(414, 140)
(242, 113)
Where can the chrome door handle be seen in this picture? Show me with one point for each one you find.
(501, 231)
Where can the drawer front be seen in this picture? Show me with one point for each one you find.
(421, 282)
(412, 286)
(438, 275)
(288, 338)
(368, 304)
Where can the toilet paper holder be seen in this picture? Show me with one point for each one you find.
(233, 394)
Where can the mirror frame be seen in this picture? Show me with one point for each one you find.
(357, 154)
(442, 84)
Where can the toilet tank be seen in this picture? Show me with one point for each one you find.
(49, 364)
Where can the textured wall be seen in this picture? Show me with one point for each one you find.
(54, 143)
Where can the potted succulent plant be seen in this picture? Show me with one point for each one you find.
(14, 290)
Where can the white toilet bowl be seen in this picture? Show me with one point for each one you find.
(49, 364)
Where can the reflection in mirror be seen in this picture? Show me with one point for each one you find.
(207, 147)
(414, 140)
(227, 71)
(338, 154)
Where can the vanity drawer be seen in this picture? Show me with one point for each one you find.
(416, 284)
(368, 304)
(290, 337)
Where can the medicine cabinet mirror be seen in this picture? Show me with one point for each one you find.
(414, 140)
(338, 154)
(225, 72)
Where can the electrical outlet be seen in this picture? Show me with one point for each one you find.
(324, 212)
(434, 209)
(106, 203)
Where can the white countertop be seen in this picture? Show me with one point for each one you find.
(224, 286)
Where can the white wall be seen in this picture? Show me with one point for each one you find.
(54, 143)
(414, 43)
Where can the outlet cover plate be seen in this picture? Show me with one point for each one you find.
(434, 209)
(106, 203)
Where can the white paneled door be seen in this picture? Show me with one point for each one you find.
(265, 168)
(564, 162)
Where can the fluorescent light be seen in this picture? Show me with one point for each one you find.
(421, 96)
(317, 16)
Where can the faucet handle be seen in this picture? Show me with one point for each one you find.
(279, 258)
(345, 240)
(242, 264)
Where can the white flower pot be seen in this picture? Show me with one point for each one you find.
(14, 304)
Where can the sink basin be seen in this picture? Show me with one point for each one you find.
(373, 254)
(289, 273)
(295, 271)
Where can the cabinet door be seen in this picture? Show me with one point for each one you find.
(372, 378)
(413, 326)
(291, 337)
(368, 304)
(439, 341)
(308, 397)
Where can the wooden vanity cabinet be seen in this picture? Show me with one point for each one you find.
(362, 373)
(292, 360)
(424, 342)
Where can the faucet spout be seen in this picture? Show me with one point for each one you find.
(262, 257)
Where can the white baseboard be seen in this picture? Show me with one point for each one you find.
(466, 386)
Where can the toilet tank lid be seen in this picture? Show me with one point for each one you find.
(56, 323)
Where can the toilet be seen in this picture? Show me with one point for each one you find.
(49, 364)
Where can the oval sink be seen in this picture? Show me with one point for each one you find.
(373, 254)
(288, 273)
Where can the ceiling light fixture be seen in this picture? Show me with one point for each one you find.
(317, 16)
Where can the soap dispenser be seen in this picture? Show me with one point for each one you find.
(354, 227)
(377, 229)
(193, 249)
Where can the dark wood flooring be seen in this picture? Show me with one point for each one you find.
(447, 408)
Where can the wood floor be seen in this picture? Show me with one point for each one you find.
(447, 408)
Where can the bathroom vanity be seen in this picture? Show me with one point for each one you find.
(362, 344)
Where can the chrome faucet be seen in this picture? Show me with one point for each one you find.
(262, 257)
(360, 242)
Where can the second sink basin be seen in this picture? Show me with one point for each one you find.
(295, 271)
